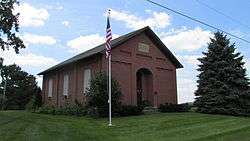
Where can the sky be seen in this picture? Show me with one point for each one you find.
(55, 30)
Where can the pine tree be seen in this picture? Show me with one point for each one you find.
(223, 87)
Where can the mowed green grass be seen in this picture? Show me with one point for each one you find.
(22, 126)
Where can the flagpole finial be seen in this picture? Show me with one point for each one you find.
(109, 10)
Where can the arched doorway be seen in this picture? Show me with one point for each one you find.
(144, 86)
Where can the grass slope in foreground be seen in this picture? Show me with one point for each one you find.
(20, 125)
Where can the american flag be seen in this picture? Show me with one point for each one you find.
(108, 37)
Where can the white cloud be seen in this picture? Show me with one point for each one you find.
(84, 43)
(65, 23)
(186, 88)
(191, 59)
(59, 8)
(157, 19)
(173, 31)
(187, 40)
(35, 60)
(39, 80)
(26, 59)
(247, 65)
(148, 10)
(28, 62)
(31, 16)
(38, 39)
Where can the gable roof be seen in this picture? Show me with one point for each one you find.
(116, 42)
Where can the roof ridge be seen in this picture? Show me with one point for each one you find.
(115, 42)
(96, 49)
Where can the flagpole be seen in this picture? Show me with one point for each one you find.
(110, 114)
(109, 79)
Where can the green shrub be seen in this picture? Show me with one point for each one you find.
(130, 110)
(145, 103)
(93, 112)
(123, 110)
(35, 102)
(73, 109)
(47, 109)
(97, 96)
(30, 106)
(67, 109)
(169, 107)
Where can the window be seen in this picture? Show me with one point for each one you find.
(50, 89)
(87, 78)
(66, 85)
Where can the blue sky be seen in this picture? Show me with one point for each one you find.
(56, 30)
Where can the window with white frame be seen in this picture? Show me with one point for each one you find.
(66, 85)
(50, 89)
(87, 78)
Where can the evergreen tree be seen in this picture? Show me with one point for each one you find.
(223, 87)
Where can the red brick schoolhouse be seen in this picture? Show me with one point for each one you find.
(143, 66)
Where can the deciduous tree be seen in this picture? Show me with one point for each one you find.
(20, 87)
(9, 26)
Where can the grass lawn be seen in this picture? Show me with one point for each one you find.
(20, 125)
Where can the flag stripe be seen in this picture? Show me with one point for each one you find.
(108, 37)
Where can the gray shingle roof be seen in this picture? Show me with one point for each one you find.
(116, 42)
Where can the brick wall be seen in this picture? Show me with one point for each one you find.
(126, 61)
(76, 77)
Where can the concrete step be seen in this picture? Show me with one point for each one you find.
(150, 110)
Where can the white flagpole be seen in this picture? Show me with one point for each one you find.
(110, 108)
(110, 114)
